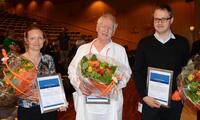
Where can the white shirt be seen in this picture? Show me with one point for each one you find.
(170, 36)
(112, 111)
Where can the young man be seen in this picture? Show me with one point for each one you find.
(163, 50)
(102, 45)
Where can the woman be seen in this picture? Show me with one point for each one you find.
(29, 108)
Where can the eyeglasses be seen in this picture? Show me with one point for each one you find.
(162, 20)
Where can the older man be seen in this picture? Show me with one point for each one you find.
(102, 45)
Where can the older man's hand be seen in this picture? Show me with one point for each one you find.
(85, 88)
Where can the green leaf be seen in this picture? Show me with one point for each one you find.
(84, 66)
(193, 86)
(94, 57)
(84, 59)
(113, 69)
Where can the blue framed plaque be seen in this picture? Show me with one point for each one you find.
(159, 85)
(51, 93)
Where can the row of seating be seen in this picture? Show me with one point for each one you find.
(19, 24)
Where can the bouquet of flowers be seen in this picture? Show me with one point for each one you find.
(101, 73)
(189, 80)
(18, 76)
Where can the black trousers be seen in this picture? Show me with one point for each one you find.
(198, 114)
(34, 113)
(172, 113)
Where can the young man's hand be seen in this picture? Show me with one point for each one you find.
(151, 102)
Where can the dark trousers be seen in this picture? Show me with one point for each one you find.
(198, 114)
(34, 113)
(172, 113)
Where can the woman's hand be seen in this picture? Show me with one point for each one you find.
(61, 109)
(151, 102)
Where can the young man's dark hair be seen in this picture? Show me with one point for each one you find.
(162, 50)
(165, 7)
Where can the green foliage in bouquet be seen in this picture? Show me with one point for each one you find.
(97, 70)
(18, 73)
(189, 80)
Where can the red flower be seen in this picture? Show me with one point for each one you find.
(100, 71)
(197, 75)
(108, 69)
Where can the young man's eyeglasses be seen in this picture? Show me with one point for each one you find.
(162, 20)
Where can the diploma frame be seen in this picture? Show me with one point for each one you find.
(163, 81)
(51, 93)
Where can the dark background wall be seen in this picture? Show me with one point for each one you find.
(134, 16)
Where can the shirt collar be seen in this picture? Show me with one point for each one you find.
(105, 48)
(171, 36)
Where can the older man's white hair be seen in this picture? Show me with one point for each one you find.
(111, 17)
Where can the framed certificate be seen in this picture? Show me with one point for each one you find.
(51, 93)
(97, 100)
(159, 85)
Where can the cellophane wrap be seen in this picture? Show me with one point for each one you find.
(189, 80)
(101, 74)
(18, 76)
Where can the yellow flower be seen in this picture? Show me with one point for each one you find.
(191, 77)
(198, 93)
(89, 69)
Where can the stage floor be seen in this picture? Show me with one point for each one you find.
(130, 107)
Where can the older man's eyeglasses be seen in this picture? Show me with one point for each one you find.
(162, 20)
